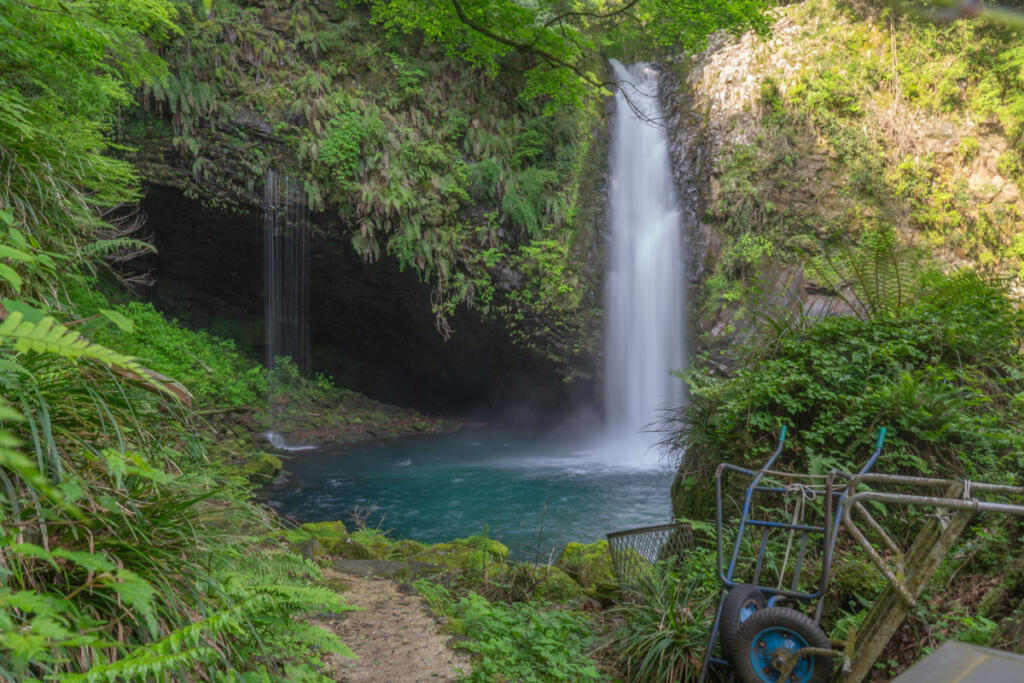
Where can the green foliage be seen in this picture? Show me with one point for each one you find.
(665, 624)
(367, 121)
(123, 558)
(209, 367)
(519, 641)
(342, 148)
(562, 42)
(933, 357)
(113, 494)
(68, 67)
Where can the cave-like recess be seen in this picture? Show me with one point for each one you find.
(372, 329)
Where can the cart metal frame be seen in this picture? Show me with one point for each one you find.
(835, 502)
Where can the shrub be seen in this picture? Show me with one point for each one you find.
(519, 641)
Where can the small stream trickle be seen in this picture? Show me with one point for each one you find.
(286, 271)
(286, 280)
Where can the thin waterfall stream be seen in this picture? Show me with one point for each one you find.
(286, 279)
(537, 492)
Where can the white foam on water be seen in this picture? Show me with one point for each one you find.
(278, 442)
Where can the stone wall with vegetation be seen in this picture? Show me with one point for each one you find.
(403, 150)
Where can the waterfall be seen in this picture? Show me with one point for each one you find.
(286, 279)
(286, 271)
(645, 290)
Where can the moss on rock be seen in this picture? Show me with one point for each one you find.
(261, 468)
(473, 556)
(330, 535)
(556, 585)
(405, 549)
(590, 564)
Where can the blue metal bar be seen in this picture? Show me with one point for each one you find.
(878, 451)
(830, 540)
(757, 476)
(708, 659)
(727, 580)
(760, 557)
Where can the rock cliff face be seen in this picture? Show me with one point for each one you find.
(371, 323)
(442, 201)
(838, 124)
(774, 160)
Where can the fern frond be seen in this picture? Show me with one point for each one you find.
(311, 635)
(50, 337)
(145, 666)
(117, 246)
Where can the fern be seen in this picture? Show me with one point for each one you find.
(49, 336)
(107, 248)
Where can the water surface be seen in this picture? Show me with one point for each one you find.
(533, 493)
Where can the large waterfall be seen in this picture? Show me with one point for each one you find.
(645, 290)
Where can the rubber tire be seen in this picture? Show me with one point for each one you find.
(740, 596)
(783, 618)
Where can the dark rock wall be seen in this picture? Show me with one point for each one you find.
(371, 324)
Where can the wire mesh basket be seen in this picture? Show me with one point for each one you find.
(635, 551)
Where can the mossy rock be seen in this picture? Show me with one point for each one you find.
(375, 542)
(493, 548)
(448, 555)
(330, 535)
(589, 564)
(353, 550)
(261, 468)
(471, 556)
(406, 549)
(556, 585)
(605, 592)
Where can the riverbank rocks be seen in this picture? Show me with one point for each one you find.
(474, 556)
(261, 468)
(331, 536)
(591, 567)
(555, 585)
(589, 564)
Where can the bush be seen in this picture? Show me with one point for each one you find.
(933, 357)
(519, 641)
(210, 368)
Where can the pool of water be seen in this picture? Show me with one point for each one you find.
(533, 493)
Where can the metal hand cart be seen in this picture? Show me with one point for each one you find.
(762, 649)
(765, 643)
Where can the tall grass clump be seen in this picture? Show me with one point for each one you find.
(665, 620)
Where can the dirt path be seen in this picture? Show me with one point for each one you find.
(396, 636)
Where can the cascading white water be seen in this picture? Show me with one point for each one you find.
(645, 290)
(286, 278)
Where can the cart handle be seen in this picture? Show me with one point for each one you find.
(726, 578)
(878, 451)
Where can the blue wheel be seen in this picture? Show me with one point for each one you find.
(740, 604)
(767, 639)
